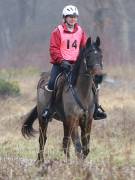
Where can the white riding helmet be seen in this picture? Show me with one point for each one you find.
(70, 10)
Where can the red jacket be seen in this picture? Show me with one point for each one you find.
(55, 41)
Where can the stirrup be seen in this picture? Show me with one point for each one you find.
(98, 115)
(100, 107)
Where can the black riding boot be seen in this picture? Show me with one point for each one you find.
(47, 111)
(99, 112)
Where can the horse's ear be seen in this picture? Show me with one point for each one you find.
(88, 43)
(98, 41)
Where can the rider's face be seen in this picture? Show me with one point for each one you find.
(71, 20)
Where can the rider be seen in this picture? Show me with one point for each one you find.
(65, 43)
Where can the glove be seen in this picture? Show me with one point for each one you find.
(66, 66)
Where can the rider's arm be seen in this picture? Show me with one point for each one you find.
(55, 54)
(83, 40)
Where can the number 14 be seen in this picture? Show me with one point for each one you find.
(74, 44)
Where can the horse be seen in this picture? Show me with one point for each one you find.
(73, 105)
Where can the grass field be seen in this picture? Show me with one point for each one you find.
(112, 147)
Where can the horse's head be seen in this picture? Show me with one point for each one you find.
(93, 56)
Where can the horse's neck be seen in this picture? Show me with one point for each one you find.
(84, 84)
(84, 81)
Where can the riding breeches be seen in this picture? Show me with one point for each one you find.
(56, 70)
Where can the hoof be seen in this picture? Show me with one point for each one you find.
(79, 156)
(38, 162)
(85, 153)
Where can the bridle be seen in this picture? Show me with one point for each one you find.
(95, 53)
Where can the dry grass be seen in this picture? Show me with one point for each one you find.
(112, 140)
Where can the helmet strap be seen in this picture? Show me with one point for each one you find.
(69, 25)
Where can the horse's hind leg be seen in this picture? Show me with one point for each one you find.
(42, 140)
(66, 140)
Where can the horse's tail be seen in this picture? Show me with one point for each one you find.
(27, 129)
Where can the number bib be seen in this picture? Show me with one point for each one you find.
(70, 43)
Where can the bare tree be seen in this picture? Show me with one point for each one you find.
(34, 7)
(22, 4)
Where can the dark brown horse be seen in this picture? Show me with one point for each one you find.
(73, 104)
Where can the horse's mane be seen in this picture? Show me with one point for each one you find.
(76, 67)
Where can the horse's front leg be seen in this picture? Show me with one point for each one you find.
(85, 135)
(76, 138)
(42, 140)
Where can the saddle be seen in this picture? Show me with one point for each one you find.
(43, 81)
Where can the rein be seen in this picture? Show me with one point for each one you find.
(71, 87)
(74, 93)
